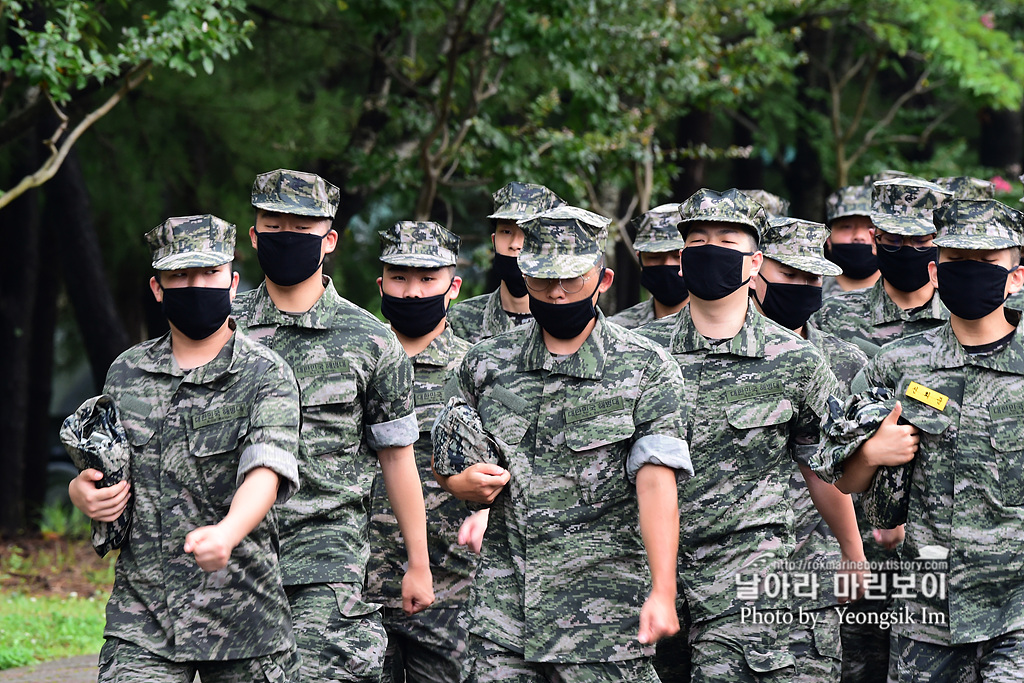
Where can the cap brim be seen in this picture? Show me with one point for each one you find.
(810, 264)
(416, 261)
(294, 209)
(684, 225)
(908, 226)
(193, 259)
(848, 214)
(659, 246)
(556, 266)
(974, 242)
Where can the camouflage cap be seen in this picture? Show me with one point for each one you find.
(418, 244)
(966, 187)
(518, 201)
(852, 200)
(656, 230)
(565, 241)
(798, 244)
(903, 206)
(95, 439)
(191, 242)
(459, 440)
(978, 224)
(772, 203)
(870, 180)
(731, 206)
(295, 192)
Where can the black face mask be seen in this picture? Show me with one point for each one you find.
(665, 284)
(565, 321)
(413, 317)
(789, 305)
(197, 312)
(713, 272)
(906, 269)
(856, 260)
(972, 289)
(507, 268)
(288, 258)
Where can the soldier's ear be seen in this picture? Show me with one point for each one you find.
(158, 291)
(933, 274)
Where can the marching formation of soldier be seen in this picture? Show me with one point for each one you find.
(800, 459)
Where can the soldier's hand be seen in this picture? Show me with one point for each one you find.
(658, 618)
(471, 533)
(211, 547)
(889, 538)
(479, 483)
(893, 443)
(417, 590)
(103, 505)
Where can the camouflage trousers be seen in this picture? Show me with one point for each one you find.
(427, 647)
(339, 637)
(816, 646)
(672, 658)
(729, 649)
(124, 662)
(866, 646)
(488, 662)
(1000, 660)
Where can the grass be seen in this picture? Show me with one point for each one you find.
(38, 629)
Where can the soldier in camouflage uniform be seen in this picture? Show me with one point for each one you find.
(851, 240)
(657, 246)
(584, 418)
(754, 395)
(486, 315)
(966, 187)
(774, 205)
(355, 386)
(418, 283)
(212, 419)
(787, 290)
(936, 442)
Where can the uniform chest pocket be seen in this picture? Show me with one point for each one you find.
(760, 427)
(600, 446)
(215, 448)
(1007, 437)
(502, 422)
(331, 413)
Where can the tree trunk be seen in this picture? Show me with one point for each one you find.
(747, 174)
(691, 130)
(1001, 143)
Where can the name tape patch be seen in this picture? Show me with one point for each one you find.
(327, 367)
(589, 410)
(222, 414)
(750, 391)
(927, 396)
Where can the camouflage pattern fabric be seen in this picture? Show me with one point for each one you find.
(451, 565)
(355, 386)
(978, 224)
(191, 242)
(727, 649)
(564, 572)
(418, 244)
(870, 319)
(635, 316)
(889, 174)
(904, 206)
(295, 192)
(429, 646)
(195, 435)
(999, 660)
(830, 287)
(817, 648)
(518, 201)
(965, 187)
(775, 205)
(95, 439)
(460, 440)
(731, 206)
(563, 242)
(754, 404)
(479, 318)
(852, 200)
(798, 244)
(124, 662)
(965, 489)
(657, 231)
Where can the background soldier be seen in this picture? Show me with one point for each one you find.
(851, 240)
(936, 442)
(417, 285)
(213, 421)
(486, 315)
(657, 246)
(585, 419)
(355, 385)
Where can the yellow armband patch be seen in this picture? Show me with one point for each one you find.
(927, 396)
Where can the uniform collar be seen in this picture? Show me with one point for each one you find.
(159, 359)
(495, 317)
(954, 355)
(882, 309)
(587, 363)
(749, 342)
(262, 310)
(439, 351)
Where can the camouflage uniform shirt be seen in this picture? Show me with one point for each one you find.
(195, 434)
(480, 317)
(754, 403)
(355, 387)
(869, 318)
(966, 485)
(635, 316)
(564, 572)
(450, 564)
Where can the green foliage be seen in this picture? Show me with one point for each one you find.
(39, 629)
(64, 521)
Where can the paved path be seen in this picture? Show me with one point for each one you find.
(72, 670)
